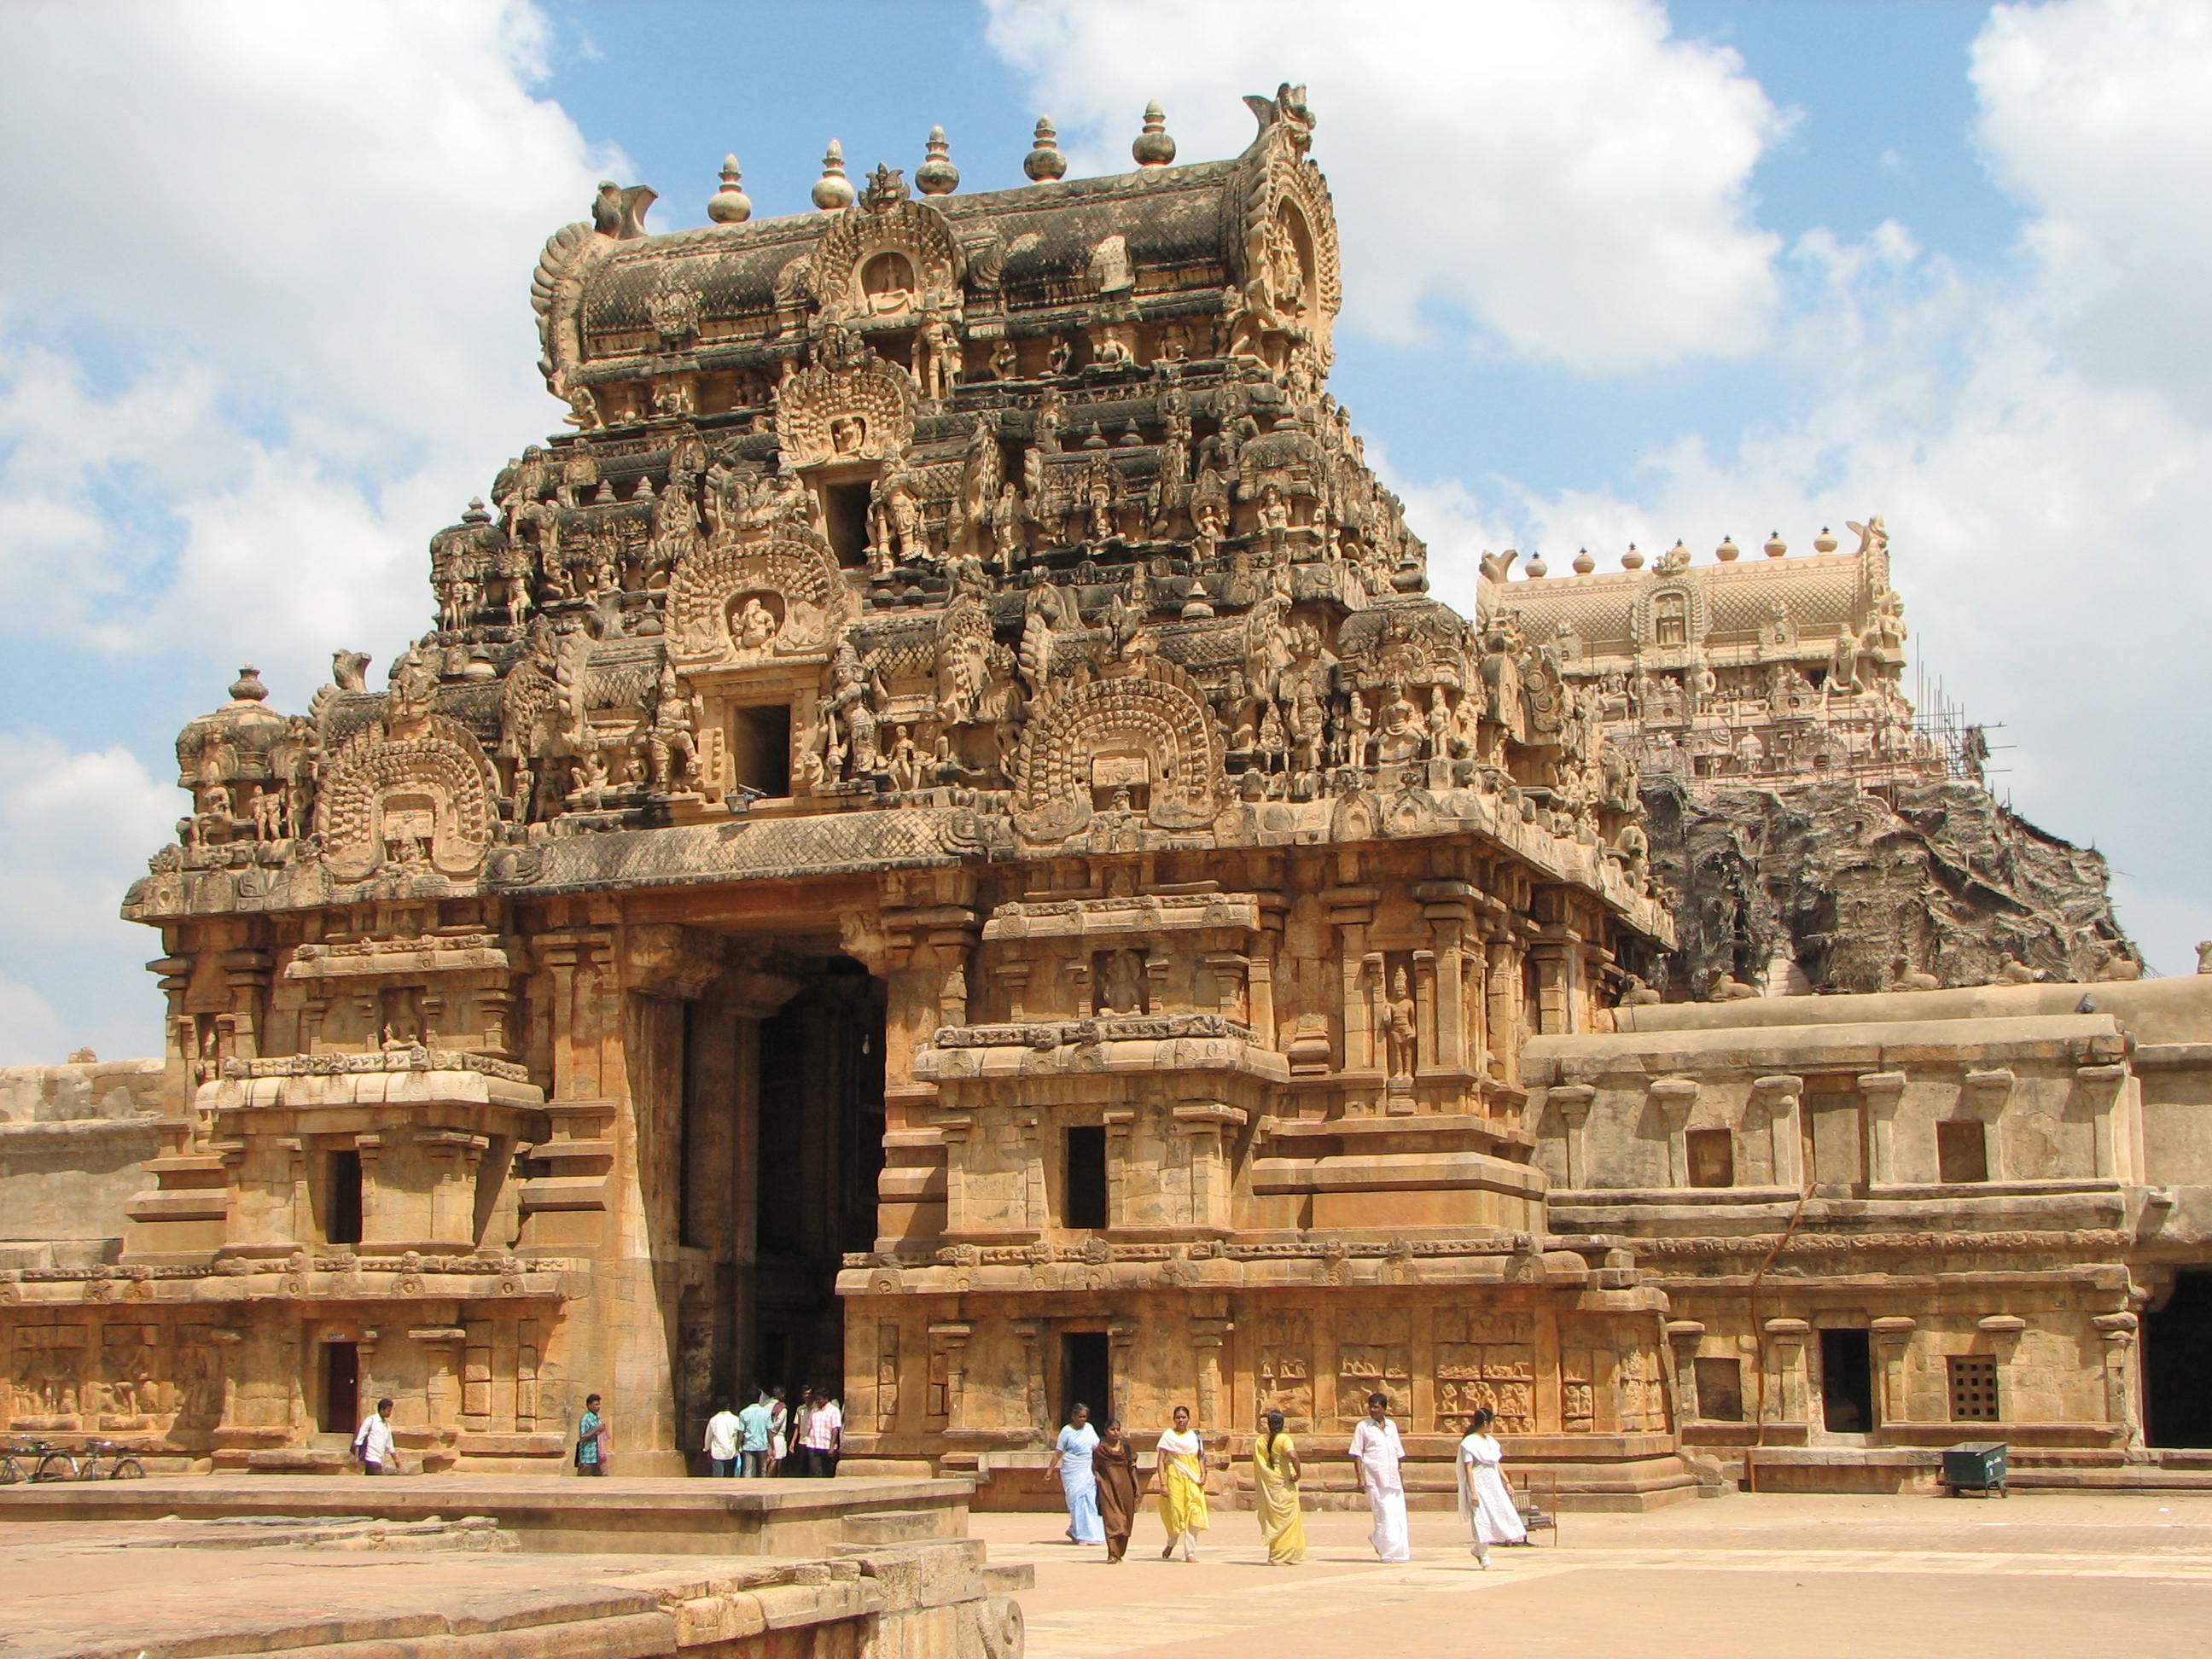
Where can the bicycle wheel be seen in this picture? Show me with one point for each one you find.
(128, 1468)
(56, 1466)
(11, 1472)
(90, 1469)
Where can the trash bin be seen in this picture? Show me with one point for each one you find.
(1977, 1467)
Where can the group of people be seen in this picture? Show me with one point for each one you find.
(768, 1438)
(1098, 1476)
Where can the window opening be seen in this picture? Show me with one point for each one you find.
(1974, 1379)
(1720, 1389)
(845, 520)
(341, 1207)
(1085, 1199)
(1712, 1158)
(760, 747)
(1962, 1152)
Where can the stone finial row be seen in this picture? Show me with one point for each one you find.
(1675, 557)
(937, 176)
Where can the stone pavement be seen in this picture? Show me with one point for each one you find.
(1771, 1576)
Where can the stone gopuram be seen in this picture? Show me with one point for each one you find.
(938, 846)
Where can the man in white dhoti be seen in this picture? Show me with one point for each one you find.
(1376, 1452)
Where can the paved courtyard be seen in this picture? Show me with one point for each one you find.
(1774, 1576)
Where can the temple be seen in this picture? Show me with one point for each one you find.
(940, 846)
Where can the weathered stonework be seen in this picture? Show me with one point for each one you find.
(939, 847)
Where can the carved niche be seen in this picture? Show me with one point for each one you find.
(1670, 615)
(849, 404)
(408, 794)
(745, 602)
(886, 259)
(1146, 741)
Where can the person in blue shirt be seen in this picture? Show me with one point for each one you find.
(755, 1424)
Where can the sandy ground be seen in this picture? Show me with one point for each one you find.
(1771, 1576)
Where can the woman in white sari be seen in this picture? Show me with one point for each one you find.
(1484, 1503)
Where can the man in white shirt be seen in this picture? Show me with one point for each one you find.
(1376, 1452)
(722, 1435)
(372, 1442)
(822, 1430)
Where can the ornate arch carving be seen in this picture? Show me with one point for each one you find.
(849, 404)
(801, 600)
(426, 799)
(1151, 728)
(1289, 244)
(1696, 614)
(863, 232)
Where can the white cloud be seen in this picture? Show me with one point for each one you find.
(78, 827)
(1559, 175)
(2039, 440)
(273, 326)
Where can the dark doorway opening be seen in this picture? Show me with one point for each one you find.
(760, 747)
(2177, 1352)
(820, 1153)
(845, 521)
(1086, 1375)
(1846, 1382)
(341, 1412)
(341, 1201)
(1085, 1204)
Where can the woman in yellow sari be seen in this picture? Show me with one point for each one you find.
(1180, 1482)
(1275, 1484)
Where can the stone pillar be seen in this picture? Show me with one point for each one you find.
(1786, 1397)
(1883, 1092)
(1207, 1336)
(1683, 1336)
(1893, 1349)
(1675, 1098)
(1781, 1096)
(2121, 1404)
(1984, 1095)
(1447, 907)
(1573, 1100)
(1351, 910)
(2101, 1086)
(1032, 1334)
(948, 1360)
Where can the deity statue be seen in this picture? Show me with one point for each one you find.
(1399, 1028)
(1121, 987)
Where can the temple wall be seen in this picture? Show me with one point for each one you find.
(74, 1141)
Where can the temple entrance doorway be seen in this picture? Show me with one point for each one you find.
(2176, 1351)
(782, 1141)
(1085, 1374)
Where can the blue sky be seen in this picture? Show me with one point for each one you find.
(1616, 271)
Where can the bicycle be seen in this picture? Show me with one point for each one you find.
(11, 1472)
(59, 1463)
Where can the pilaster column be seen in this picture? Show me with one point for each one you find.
(1985, 1095)
(948, 1365)
(1883, 1092)
(1675, 1097)
(1350, 910)
(1032, 1333)
(1683, 1336)
(1573, 1100)
(2101, 1086)
(1785, 1370)
(1893, 1347)
(1781, 1096)
(2119, 1333)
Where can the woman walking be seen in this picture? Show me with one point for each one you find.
(1114, 1464)
(1484, 1503)
(1071, 1460)
(1275, 1483)
(1180, 1482)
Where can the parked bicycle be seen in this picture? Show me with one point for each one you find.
(100, 1459)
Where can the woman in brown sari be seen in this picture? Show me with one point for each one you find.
(1115, 1465)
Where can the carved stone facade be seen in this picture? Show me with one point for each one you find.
(937, 847)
